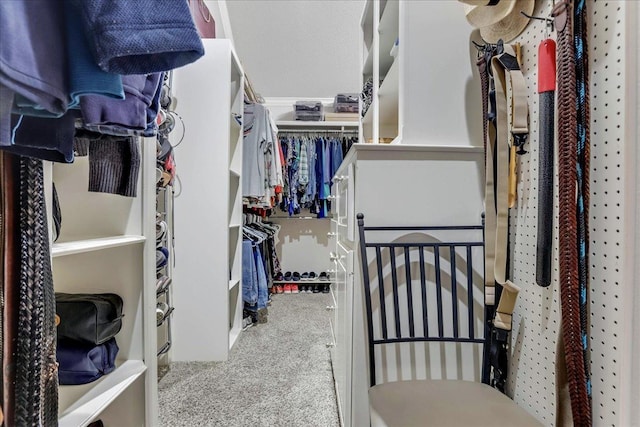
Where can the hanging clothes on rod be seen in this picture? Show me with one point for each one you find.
(311, 161)
(262, 159)
(259, 264)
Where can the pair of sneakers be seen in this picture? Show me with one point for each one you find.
(290, 288)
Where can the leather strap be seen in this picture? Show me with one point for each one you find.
(11, 274)
(36, 385)
(567, 221)
(508, 80)
(546, 125)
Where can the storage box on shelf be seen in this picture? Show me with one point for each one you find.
(106, 245)
(208, 209)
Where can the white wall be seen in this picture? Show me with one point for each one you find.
(298, 48)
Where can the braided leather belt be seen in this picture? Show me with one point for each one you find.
(36, 382)
(11, 273)
(572, 333)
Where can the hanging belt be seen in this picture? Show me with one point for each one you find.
(511, 130)
(11, 275)
(36, 381)
(568, 217)
(546, 122)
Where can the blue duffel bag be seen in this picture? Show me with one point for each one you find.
(81, 363)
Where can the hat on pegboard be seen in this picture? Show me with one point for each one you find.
(498, 19)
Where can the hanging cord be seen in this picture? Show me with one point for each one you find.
(583, 153)
(568, 253)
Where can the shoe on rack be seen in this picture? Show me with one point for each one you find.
(325, 289)
(296, 276)
(294, 289)
(162, 308)
(312, 275)
(287, 288)
(161, 231)
(287, 276)
(162, 284)
(324, 276)
(304, 276)
(278, 277)
(309, 289)
(302, 288)
(316, 289)
(279, 288)
(162, 255)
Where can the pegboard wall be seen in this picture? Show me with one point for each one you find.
(537, 316)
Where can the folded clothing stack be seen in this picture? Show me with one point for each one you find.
(310, 111)
(346, 103)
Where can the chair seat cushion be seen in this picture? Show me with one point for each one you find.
(444, 403)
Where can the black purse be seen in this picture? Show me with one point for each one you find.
(90, 318)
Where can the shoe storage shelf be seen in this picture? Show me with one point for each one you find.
(357, 186)
(165, 194)
(208, 205)
(107, 244)
(403, 104)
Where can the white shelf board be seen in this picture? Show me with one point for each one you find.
(233, 283)
(367, 65)
(388, 97)
(96, 244)
(321, 124)
(388, 30)
(80, 404)
(234, 225)
(233, 170)
(234, 333)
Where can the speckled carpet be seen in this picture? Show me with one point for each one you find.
(279, 374)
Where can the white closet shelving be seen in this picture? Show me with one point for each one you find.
(107, 244)
(421, 91)
(207, 275)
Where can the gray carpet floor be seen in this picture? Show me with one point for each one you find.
(279, 374)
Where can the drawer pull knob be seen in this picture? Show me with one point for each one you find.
(329, 345)
(331, 234)
(330, 307)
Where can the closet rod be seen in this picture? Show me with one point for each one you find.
(354, 132)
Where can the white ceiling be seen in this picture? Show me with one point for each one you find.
(298, 48)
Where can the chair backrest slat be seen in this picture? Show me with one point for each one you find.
(436, 254)
(407, 269)
(435, 289)
(454, 291)
(383, 304)
(394, 285)
(423, 279)
(470, 291)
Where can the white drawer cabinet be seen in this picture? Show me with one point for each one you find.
(390, 185)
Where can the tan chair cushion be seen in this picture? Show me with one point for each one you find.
(444, 403)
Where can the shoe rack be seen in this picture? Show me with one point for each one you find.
(165, 192)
